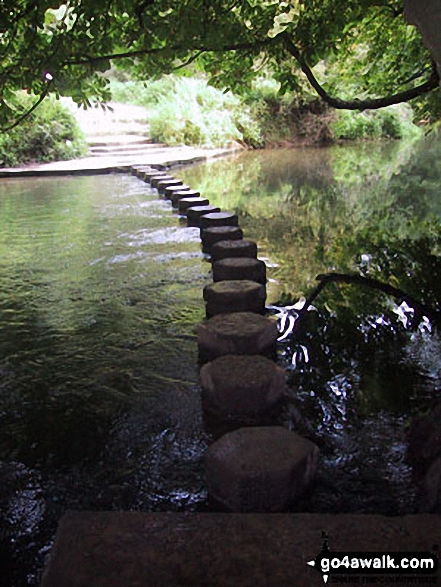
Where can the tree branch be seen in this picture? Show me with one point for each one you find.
(189, 60)
(43, 95)
(90, 60)
(369, 104)
(421, 308)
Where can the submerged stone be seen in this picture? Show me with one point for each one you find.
(261, 469)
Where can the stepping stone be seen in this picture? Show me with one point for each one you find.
(224, 297)
(233, 248)
(153, 173)
(238, 333)
(239, 268)
(190, 202)
(241, 386)
(219, 219)
(179, 195)
(174, 188)
(157, 178)
(210, 236)
(194, 214)
(164, 183)
(138, 170)
(261, 469)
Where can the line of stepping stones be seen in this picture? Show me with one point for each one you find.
(252, 467)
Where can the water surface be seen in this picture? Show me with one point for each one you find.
(100, 297)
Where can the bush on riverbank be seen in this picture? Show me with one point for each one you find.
(189, 111)
(50, 133)
(394, 122)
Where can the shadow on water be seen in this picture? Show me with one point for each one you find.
(100, 297)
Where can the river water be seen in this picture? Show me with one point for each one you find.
(100, 298)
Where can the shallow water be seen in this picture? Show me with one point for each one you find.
(99, 404)
(100, 297)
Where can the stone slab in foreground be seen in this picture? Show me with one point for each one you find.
(122, 549)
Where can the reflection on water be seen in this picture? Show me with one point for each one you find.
(355, 374)
(100, 296)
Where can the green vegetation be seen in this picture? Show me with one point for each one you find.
(362, 51)
(394, 122)
(49, 133)
(190, 112)
(186, 110)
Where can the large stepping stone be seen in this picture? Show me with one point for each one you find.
(239, 268)
(154, 180)
(190, 202)
(139, 170)
(219, 219)
(194, 214)
(233, 248)
(147, 175)
(261, 469)
(210, 236)
(180, 194)
(236, 387)
(169, 191)
(165, 183)
(239, 333)
(223, 297)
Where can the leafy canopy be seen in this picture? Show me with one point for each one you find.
(363, 49)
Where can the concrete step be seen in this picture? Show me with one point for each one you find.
(119, 139)
(110, 149)
(129, 154)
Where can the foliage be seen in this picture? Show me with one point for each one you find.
(394, 122)
(49, 133)
(188, 111)
(47, 47)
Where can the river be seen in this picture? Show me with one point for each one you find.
(100, 298)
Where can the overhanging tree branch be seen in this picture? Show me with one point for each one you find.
(420, 307)
(370, 104)
(93, 59)
(28, 112)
